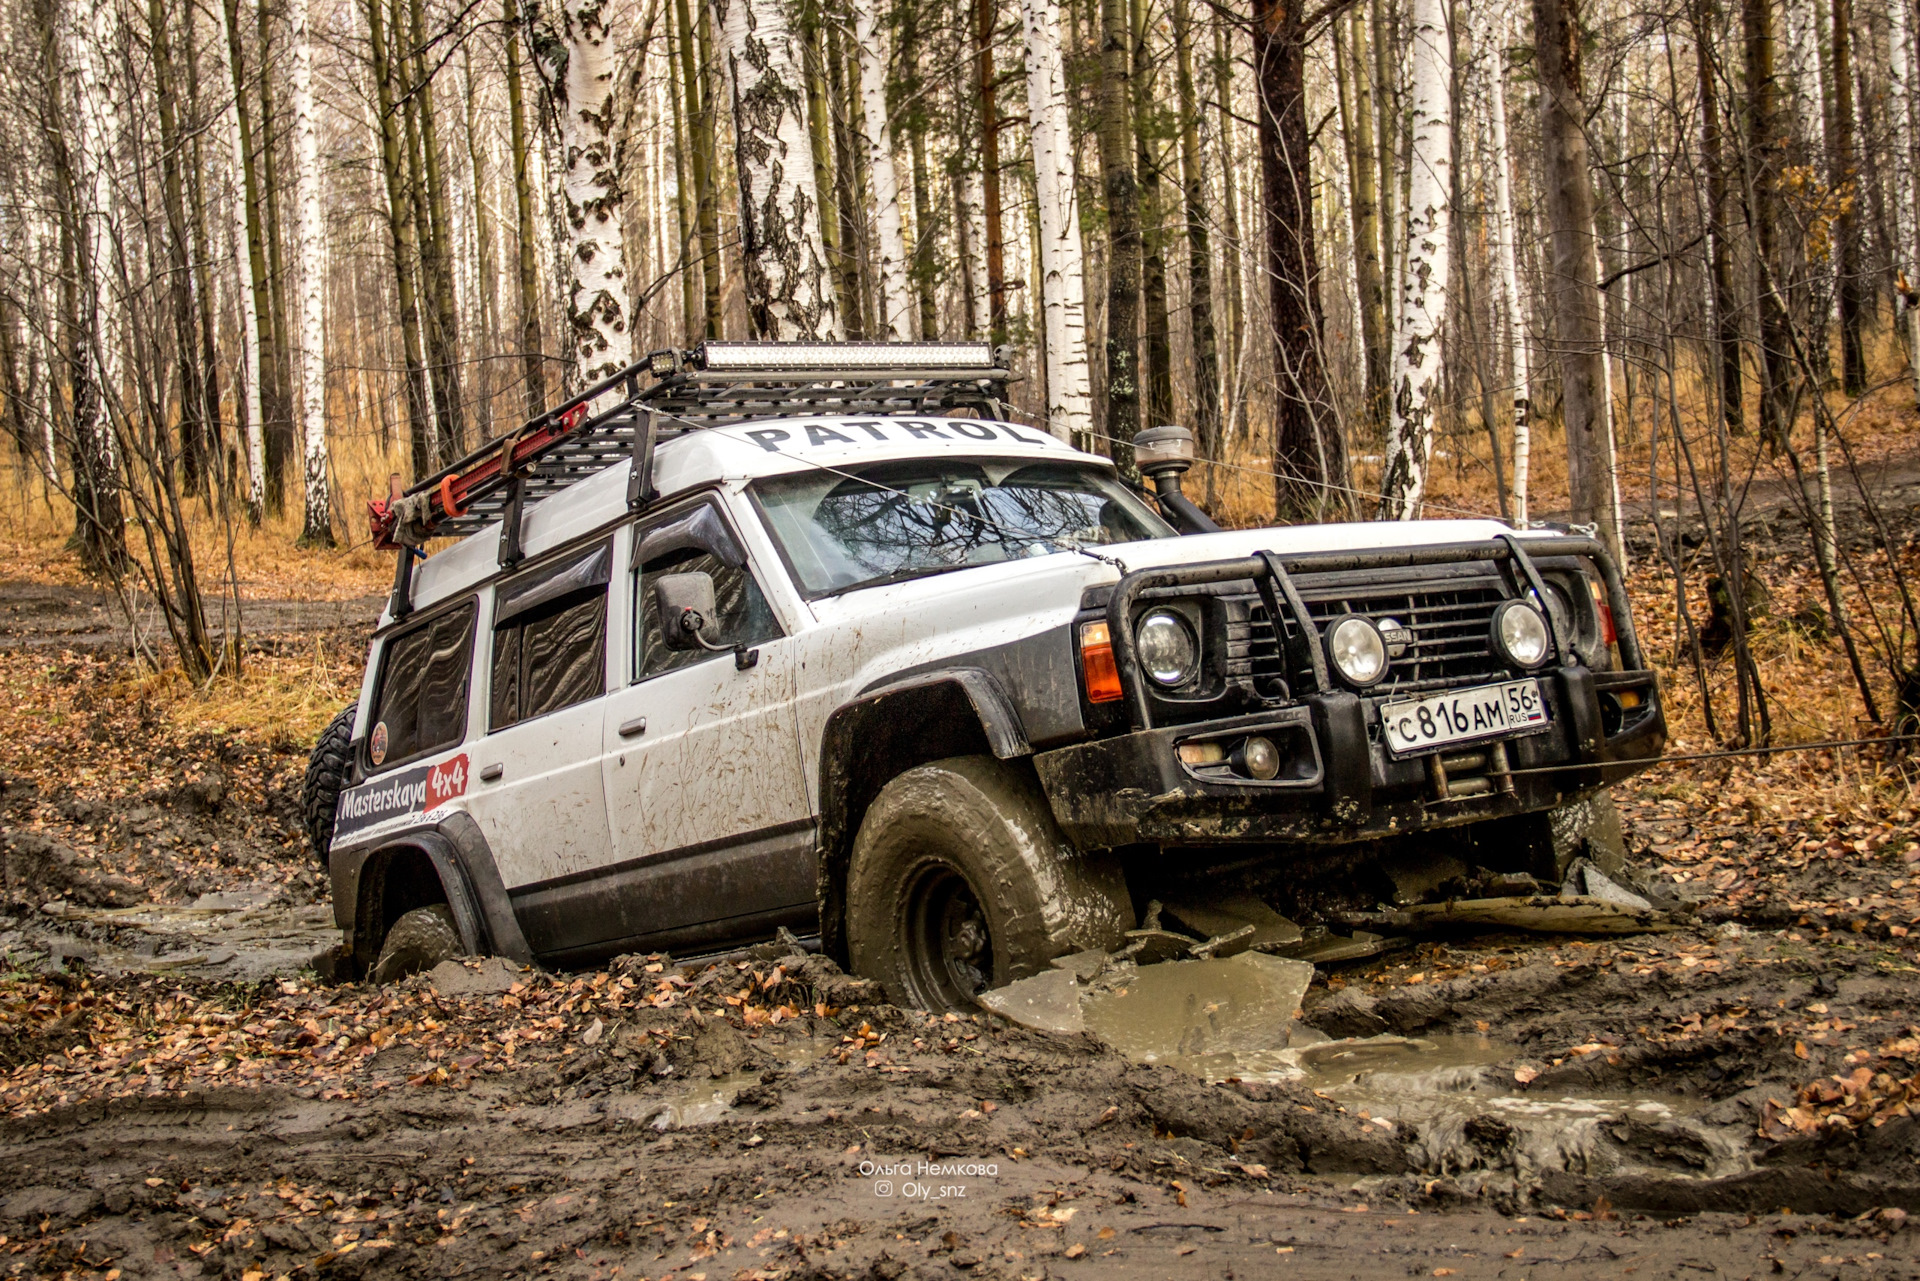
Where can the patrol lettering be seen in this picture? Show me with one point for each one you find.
(872, 429)
(1025, 440)
(923, 431)
(972, 431)
(817, 435)
(769, 438)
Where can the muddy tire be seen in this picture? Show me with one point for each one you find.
(419, 940)
(961, 882)
(327, 767)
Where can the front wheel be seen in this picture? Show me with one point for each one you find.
(419, 940)
(961, 882)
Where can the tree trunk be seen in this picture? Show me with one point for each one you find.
(1157, 349)
(820, 128)
(99, 531)
(1574, 294)
(166, 92)
(1763, 175)
(693, 318)
(896, 299)
(246, 264)
(1508, 251)
(1062, 263)
(278, 392)
(1843, 176)
(1206, 347)
(400, 227)
(985, 16)
(1423, 283)
(219, 470)
(1357, 116)
(847, 202)
(318, 528)
(789, 294)
(1123, 236)
(574, 54)
(436, 250)
(1235, 248)
(1386, 103)
(694, 57)
(1902, 30)
(1309, 456)
(486, 275)
(1726, 315)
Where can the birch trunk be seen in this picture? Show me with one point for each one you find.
(575, 54)
(789, 294)
(1906, 187)
(1423, 283)
(98, 529)
(896, 301)
(243, 260)
(318, 528)
(1206, 345)
(1063, 290)
(1508, 248)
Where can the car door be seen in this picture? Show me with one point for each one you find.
(536, 790)
(711, 828)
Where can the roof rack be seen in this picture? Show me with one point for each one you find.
(712, 385)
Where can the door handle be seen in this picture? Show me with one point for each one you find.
(638, 725)
(488, 773)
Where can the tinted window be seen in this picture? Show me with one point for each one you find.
(422, 701)
(550, 650)
(741, 613)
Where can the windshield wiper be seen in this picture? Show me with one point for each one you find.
(897, 576)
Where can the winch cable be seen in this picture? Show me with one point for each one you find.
(1723, 754)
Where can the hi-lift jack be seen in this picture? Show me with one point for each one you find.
(713, 384)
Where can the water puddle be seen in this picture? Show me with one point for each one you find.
(705, 1101)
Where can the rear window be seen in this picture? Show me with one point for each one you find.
(421, 705)
(550, 638)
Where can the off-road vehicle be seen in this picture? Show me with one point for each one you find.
(818, 637)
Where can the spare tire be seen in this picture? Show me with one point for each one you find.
(327, 767)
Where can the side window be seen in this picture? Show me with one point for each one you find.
(742, 615)
(421, 704)
(550, 637)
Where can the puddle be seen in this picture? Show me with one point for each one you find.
(235, 935)
(708, 1100)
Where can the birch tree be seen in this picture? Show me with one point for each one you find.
(1062, 263)
(98, 529)
(1423, 281)
(789, 294)
(1507, 249)
(243, 266)
(896, 303)
(573, 48)
(1905, 109)
(318, 528)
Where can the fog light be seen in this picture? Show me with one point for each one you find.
(1520, 634)
(1258, 758)
(1202, 753)
(1357, 650)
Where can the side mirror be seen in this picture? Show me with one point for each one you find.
(685, 602)
(687, 621)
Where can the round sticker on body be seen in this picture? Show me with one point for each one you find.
(377, 745)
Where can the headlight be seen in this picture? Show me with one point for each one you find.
(1167, 651)
(1520, 635)
(1357, 651)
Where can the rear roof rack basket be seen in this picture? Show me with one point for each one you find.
(713, 385)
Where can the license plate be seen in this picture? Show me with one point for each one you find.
(1463, 715)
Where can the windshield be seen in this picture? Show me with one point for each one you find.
(893, 521)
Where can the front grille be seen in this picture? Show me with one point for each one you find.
(1450, 645)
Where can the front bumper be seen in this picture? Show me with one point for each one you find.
(1338, 780)
(1339, 783)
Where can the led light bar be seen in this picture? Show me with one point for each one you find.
(843, 357)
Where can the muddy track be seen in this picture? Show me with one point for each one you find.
(39, 616)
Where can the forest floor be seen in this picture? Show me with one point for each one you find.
(181, 1095)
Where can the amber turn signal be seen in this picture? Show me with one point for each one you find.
(1097, 665)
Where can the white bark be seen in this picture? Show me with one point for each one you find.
(98, 120)
(1423, 280)
(1063, 288)
(1905, 110)
(974, 197)
(312, 282)
(789, 290)
(576, 59)
(896, 300)
(1506, 249)
(249, 314)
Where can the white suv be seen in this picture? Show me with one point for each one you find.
(814, 637)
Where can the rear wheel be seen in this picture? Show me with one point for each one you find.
(961, 882)
(327, 767)
(419, 940)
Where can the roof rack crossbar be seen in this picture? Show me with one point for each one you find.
(715, 384)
